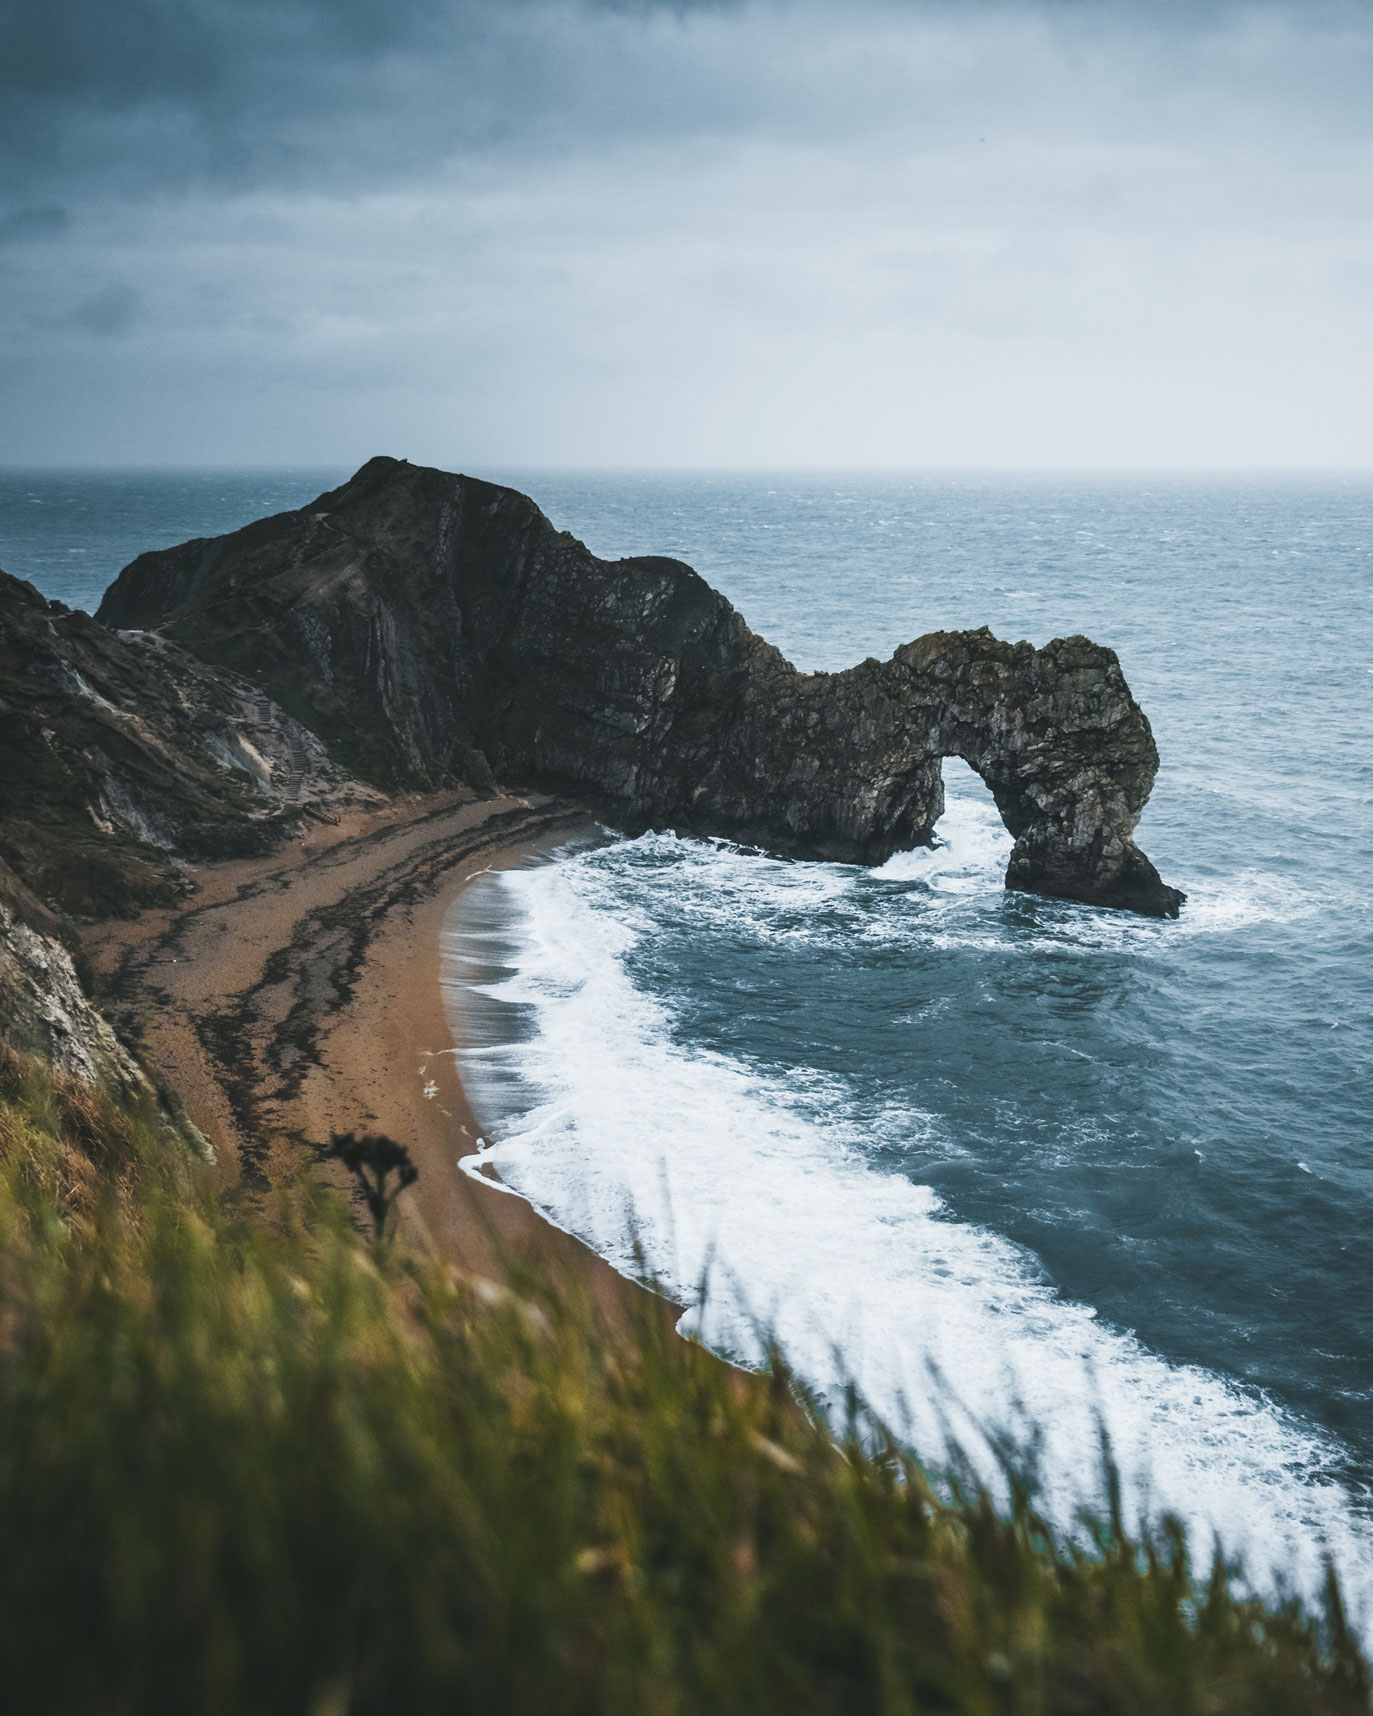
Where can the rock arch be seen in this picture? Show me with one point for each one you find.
(847, 765)
(434, 627)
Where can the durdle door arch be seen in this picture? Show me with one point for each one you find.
(847, 766)
(1066, 753)
(435, 627)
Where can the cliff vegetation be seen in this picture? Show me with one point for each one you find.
(254, 1463)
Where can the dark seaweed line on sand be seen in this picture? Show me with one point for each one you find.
(262, 1061)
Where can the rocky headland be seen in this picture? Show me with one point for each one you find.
(436, 629)
(353, 678)
(203, 915)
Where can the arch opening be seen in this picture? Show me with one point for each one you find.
(970, 830)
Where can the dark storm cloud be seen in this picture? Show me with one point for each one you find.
(157, 89)
(860, 231)
(184, 49)
(153, 93)
(145, 94)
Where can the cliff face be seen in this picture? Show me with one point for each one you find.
(44, 1009)
(435, 627)
(120, 755)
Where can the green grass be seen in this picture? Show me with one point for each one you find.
(254, 1464)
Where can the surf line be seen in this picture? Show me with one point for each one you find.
(473, 1166)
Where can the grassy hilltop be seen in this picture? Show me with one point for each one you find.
(256, 1464)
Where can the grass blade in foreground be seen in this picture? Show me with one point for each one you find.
(259, 1466)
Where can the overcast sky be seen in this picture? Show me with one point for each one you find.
(772, 232)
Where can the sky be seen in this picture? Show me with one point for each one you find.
(1061, 234)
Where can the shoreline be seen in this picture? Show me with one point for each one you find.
(301, 994)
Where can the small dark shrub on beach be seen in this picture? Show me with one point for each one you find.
(371, 1160)
(259, 1467)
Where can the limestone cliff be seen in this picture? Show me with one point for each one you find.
(121, 756)
(436, 627)
(44, 1009)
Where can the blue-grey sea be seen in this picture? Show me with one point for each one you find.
(1007, 1164)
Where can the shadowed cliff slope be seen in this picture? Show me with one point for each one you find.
(434, 627)
(121, 755)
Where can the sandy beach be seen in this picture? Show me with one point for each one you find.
(300, 994)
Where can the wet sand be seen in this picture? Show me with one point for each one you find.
(300, 994)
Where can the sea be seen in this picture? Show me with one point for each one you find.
(1043, 1188)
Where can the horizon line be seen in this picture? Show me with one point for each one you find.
(249, 467)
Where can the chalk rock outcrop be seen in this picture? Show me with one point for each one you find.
(435, 627)
(44, 1010)
(121, 755)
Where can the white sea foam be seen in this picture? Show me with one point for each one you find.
(969, 861)
(971, 854)
(709, 1169)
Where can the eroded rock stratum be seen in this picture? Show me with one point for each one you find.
(434, 627)
(121, 758)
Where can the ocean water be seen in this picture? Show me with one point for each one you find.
(70, 532)
(1009, 1166)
